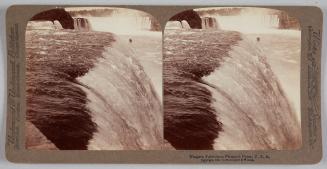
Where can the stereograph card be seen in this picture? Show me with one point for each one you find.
(164, 84)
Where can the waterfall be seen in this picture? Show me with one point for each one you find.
(177, 25)
(248, 20)
(81, 24)
(185, 24)
(251, 104)
(87, 90)
(221, 93)
(123, 103)
(209, 23)
(57, 24)
(124, 22)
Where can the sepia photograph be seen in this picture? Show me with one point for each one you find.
(231, 80)
(93, 80)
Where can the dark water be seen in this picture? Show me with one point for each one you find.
(56, 105)
(189, 118)
(84, 92)
(87, 90)
(221, 93)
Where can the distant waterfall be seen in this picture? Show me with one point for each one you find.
(247, 20)
(255, 22)
(82, 24)
(126, 22)
(209, 22)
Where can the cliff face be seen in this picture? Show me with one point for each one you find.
(64, 18)
(190, 16)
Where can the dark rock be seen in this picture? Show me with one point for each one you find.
(66, 21)
(190, 16)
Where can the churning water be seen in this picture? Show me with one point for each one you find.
(86, 90)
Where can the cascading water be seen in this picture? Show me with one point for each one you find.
(43, 25)
(209, 23)
(123, 22)
(81, 24)
(222, 93)
(173, 25)
(254, 22)
(185, 24)
(251, 103)
(123, 103)
(87, 90)
(248, 20)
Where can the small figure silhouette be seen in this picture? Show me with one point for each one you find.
(258, 39)
(130, 40)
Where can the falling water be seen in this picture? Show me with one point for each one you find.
(87, 90)
(123, 102)
(81, 24)
(209, 23)
(123, 22)
(249, 20)
(251, 103)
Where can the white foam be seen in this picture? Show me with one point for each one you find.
(127, 112)
(46, 25)
(173, 25)
(248, 101)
